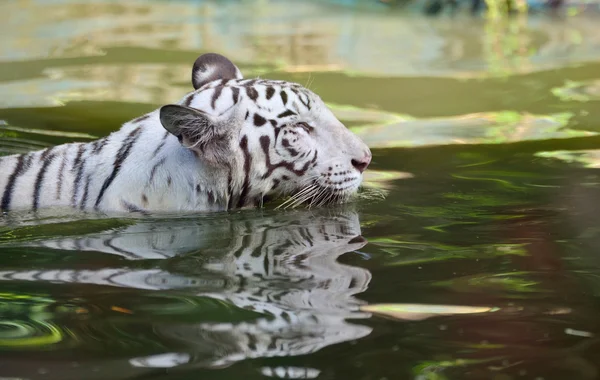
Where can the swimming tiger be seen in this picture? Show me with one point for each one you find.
(226, 145)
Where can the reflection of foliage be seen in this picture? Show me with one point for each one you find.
(432, 370)
(411, 252)
(484, 128)
(512, 181)
(379, 181)
(506, 43)
(578, 91)
(32, 333)
(482, 200)
(587, 158)
(456, 212)
(25, 321)
(471, 207)
(508, 282)
(366, 116)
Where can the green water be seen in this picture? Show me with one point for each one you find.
(480, 215)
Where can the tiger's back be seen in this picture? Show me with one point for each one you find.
(113, 173)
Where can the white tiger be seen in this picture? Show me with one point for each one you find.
(228, 144)
(284, 266)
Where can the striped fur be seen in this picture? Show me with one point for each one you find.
(228, 144)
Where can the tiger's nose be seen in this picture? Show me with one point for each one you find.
(362, 163)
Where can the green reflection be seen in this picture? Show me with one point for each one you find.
(27, 322)
(491, 128)
(410, 252)
(508, 282)
(578, 91)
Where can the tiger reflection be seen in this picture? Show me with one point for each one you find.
(283, 266)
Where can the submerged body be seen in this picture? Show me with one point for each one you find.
(139, 167)
(226, 145)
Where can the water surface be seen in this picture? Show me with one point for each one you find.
(472, 253)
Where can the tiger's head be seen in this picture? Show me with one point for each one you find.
(274, 137)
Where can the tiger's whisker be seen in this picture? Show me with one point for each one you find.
(297, 195)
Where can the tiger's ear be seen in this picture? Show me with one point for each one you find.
(210, 67)
(198, 131)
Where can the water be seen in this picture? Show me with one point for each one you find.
(472, 253)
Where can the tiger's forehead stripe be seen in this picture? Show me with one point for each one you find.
(224, 94)
(257, 90)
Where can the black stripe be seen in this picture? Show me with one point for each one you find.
(80, 164)
(277, 132)
(61, 173)
(132, 208)
(153, 171)
(284, 97)
(10, 186)
(293, 152)
(108, 243)
(315, 157)
(286, 113)
(40, 178)
(38, 274)
(265, 142)
(110, 278)
(252, 93)
(85, 192)
(162, 143)
(45, 153)
(306, 103)
(270, 92)
(259, 121)
(276, 183)
(235, 94)
(247, 163)
(98, 145)
(119, 159)
(138, 119)
(188, 100)
(215, 96)
(229, 190)
(78, 157)
(28, 159)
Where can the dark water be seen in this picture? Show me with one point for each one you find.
(480, 217)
